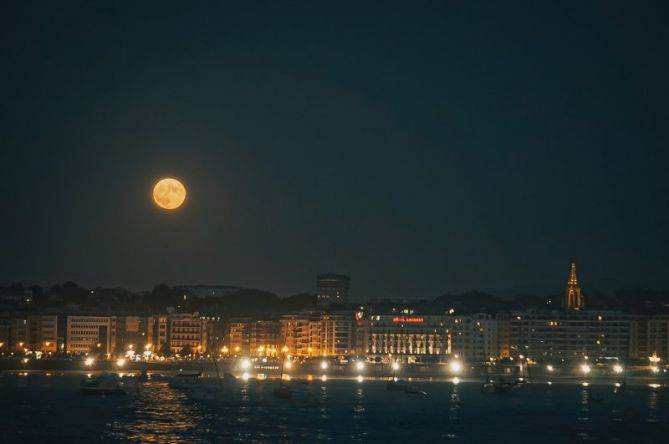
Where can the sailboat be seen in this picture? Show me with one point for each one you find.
(395, 383)
(282, 391)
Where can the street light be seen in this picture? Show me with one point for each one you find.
(324, 365)
(396, 366)
(360, 365)
(120, 362)
(455, 367)
(618, 368)
(585, 368)
(245, 364)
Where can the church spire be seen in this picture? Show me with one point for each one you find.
(573, 297)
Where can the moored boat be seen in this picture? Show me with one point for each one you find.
(102, 385)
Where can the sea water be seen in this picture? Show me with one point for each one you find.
(50, 408)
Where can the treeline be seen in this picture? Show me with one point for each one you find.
(252, 302)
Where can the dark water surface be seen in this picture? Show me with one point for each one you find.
(38, 408)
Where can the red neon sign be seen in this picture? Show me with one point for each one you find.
(408, 319)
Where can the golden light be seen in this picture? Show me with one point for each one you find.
(550, 368)
(47, 343)
(654, 358)
(224, 350)
(655, 369)
(360, 378)
(618, 368)
(456, 381)
(130, 347)
(245, 364)
(585, 368)
(396, 365)
(20, 344)
(285, 349)
(288, 365)
(147, 347)
(246, 376)
(89, 361)
(324, 378)
(1, 344)
(324, 365)
(169, 193)
(360, 366)
(120, 362)
(455, 367)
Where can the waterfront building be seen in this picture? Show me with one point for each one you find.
(317, 333)
(264, 337)
(408, 335)
(132, 333)
(332, 289)
(570, 334)
(239, 337)
(89, 334)
(187, 331)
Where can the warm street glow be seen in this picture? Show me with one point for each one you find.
(396, 366)
(89, 361)
(245, 364)
(359, 365)
(360, 378)
(120, 362)
(324, 365)
(288, 365)
(618, 368)
(585, 368)
(550, 368)
(455, 367)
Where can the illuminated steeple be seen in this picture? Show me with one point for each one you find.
(573, 297)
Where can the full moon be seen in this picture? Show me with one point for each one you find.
(169, 193)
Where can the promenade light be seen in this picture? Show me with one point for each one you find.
(245, 364)
(550, 368)
(324, 365)
(360, 366)
(89, 361)
(120, 362)
(288, 365)
(655, 369)
(654, 359)
(360, 379)
(396, 366)
(245, 376)
(618, 368)
(455, 367)
(585, 368)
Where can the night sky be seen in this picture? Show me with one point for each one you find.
(420, 148)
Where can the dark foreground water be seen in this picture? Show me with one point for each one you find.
(38, 408)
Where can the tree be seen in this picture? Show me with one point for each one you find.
(165, 349)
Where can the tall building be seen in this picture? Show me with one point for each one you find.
(332, 289)
(310, 334)
(573, 296)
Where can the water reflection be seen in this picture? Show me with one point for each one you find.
(159, 414)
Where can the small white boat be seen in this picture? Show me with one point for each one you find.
(103, 385)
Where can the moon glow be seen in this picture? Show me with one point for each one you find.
(169, 193)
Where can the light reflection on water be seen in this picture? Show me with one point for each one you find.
(335, 411)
